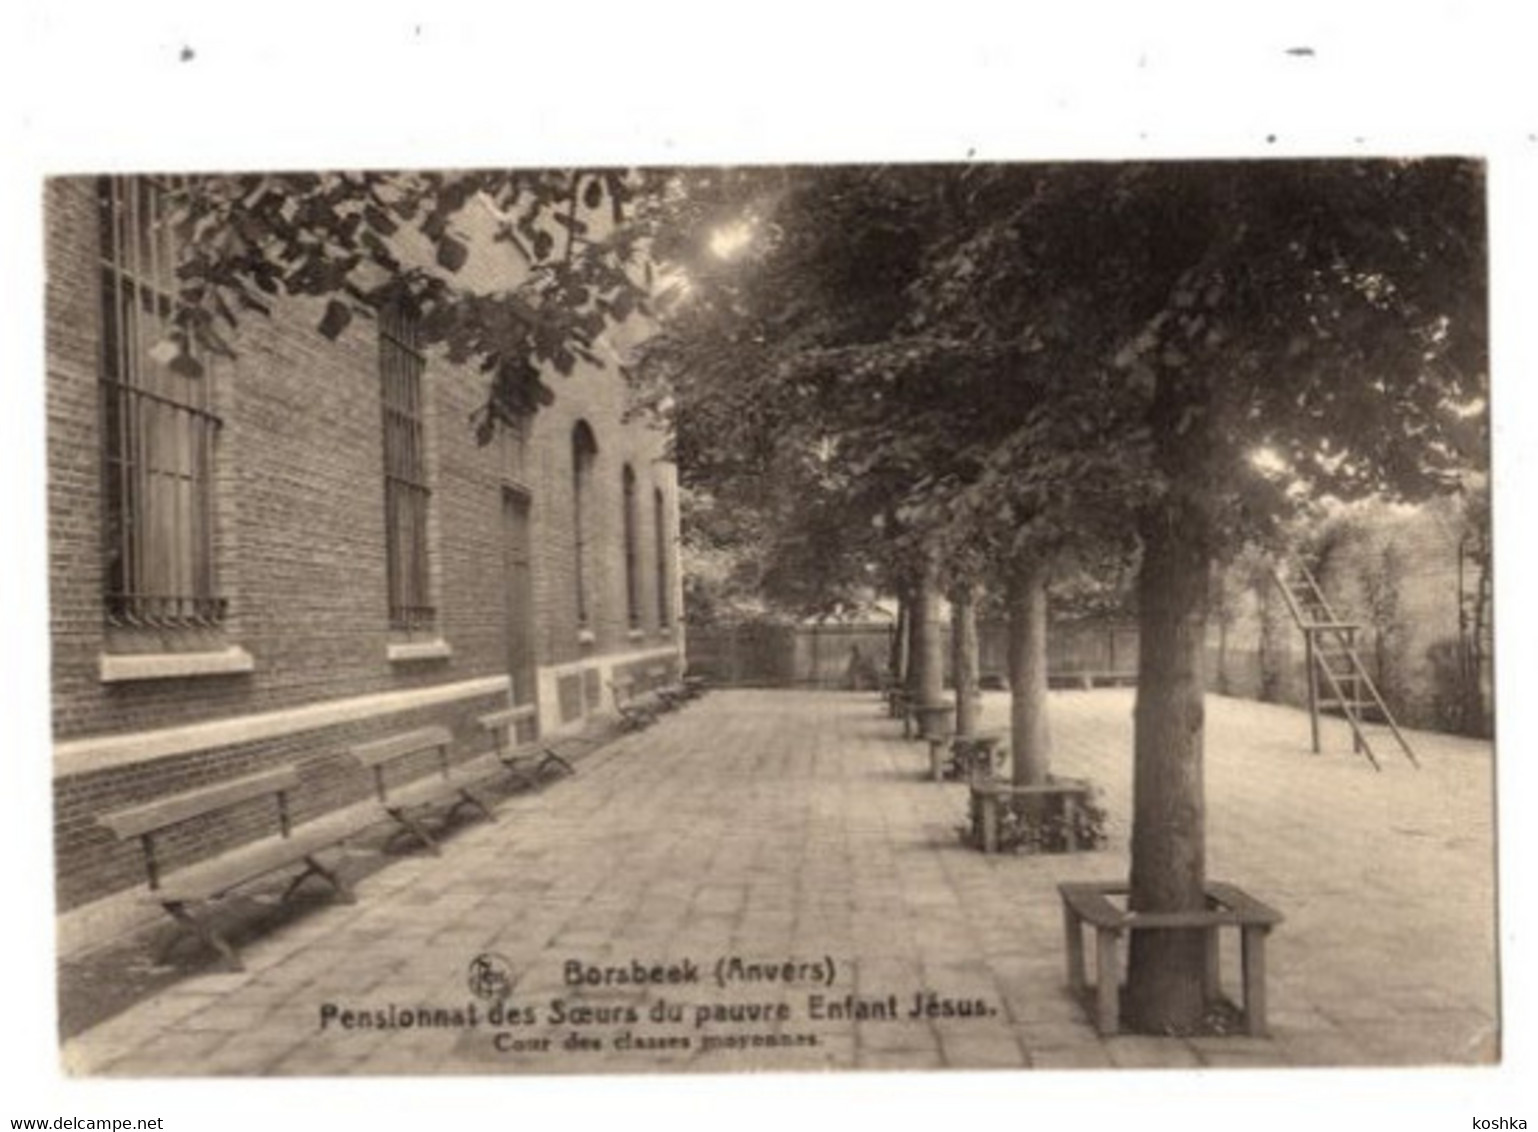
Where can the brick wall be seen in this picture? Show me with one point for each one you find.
(300, 551)
(89, 862)
(74, 455)
(598, 399)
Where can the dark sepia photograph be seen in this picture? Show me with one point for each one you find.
(1001, 615)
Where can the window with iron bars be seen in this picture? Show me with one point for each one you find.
(659, 520)
(407, 497)
(158, 426)
(584, 453)
(632, 564)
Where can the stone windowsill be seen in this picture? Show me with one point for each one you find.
(637, 634)
(586, 637)
(404, 652)
(122, 667)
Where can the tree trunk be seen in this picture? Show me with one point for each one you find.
(1268, 650)
(898, 660)
(928, 660)
(1165, 991)
(1475, 722)
(1030, 744)
(964, 657)
(1222, 681)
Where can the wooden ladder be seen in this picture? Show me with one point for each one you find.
(1332, 658)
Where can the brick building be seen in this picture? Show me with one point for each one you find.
(305, 547)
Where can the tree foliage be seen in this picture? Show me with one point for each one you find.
(1036, 359)
(575, 263)
(848, 337)
(870, 366)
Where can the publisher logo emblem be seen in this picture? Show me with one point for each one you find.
(490, 976)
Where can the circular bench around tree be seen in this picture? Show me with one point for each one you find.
(1088, 902)
(930, 720)
(1063, 801)
(964, 756)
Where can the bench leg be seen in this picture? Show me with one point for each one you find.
(313, 867)
(1107, 982)
(1252, 957)
(178, 912)
(468, 797)
(522, 777)
(1212, 976)
(555, 760)
(1073, 936)
(299, 878)
(990, 816)
(416, 829)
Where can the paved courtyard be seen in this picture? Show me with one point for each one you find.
(797, 828)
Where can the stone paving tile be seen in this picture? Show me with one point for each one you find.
(899, 1059)
(982, 1051)
(800, 825)
(1071, 1057)
(1132, 1051)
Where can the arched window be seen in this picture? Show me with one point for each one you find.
(632, 566)
(660, 525)
(584, 453)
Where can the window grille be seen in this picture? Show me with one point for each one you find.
(584, 451)
(401, 365)
(158, 426)
(632, 570)
(659, 521)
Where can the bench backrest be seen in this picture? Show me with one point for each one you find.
(501, 723)
(393, 747)
(379, 754)
(507, 717)
(164, 812)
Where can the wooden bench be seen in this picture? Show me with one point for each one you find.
(669, 692)
(449, 785)
(530, 764)
(925, 719)
(1227, 906)
(635, 711)
(963, 756)
(177, 889)
(1073, 794)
